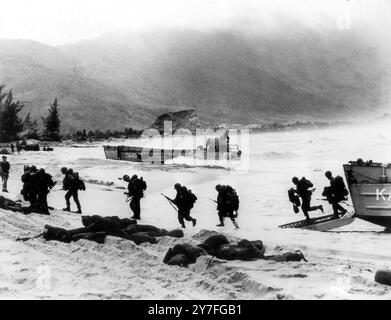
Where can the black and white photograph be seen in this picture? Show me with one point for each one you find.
(195, 150)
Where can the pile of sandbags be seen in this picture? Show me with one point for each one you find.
(218, 246)
(15, 206)
(31, 147)
(383, 277)
(183, 254)
(96, 228)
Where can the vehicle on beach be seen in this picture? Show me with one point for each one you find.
(369, 185)
(212, 151)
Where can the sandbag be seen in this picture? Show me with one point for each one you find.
(150, 230)
(169, 254)
(138, 238)
(383, 277)
(127, 222)
(131, 229)
(78, 231)
(8, 204)
(119, 233)
(206, 247)
(179, 259)
(244, 244)
(98, 237)
(158, 233)
(228, 252)
(57, 234)
(177, 233)
(215, 241)
(192, 252)
(255, 249)
(235, 252)
(296, 256)
(183, 255)
(259, 245)
(31, 147)
(153, 231)
(97, 223)
(146, 228)
(162, 233)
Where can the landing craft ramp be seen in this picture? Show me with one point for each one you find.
(324, 223)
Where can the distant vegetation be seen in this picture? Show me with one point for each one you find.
(83, 135)
(52, 123)
(14, 127)
(11, 124)
(298, 125)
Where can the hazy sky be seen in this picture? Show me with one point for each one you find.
(64, 21)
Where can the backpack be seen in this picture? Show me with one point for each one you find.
(190, 198)
(143, 184)
(232, 197)
(340, 188)
(306, 183)
(79, 183)
(137, 187)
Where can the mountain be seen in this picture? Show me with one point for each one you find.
(184, 119)
(38, 73)
(127, 79)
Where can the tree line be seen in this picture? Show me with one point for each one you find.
(13, 126)
(84, 135)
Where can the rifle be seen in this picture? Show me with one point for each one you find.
(29, 238)
(343, 201)
(128, 198)
(235, 215)
(170, 201)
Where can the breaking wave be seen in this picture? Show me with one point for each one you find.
(279, 155)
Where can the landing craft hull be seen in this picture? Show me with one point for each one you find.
(370, 190)
(160, 156)
(322, 224)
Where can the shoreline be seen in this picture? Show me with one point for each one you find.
(341, 265)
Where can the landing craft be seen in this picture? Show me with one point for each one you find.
(369, 186)
(370, 189)
(324, 223)
(214, 150)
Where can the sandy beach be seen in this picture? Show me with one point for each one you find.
(341, 263)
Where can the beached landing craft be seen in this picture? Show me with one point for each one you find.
(324, 223)
(370, 189)
(160, 156)
(369, 186)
